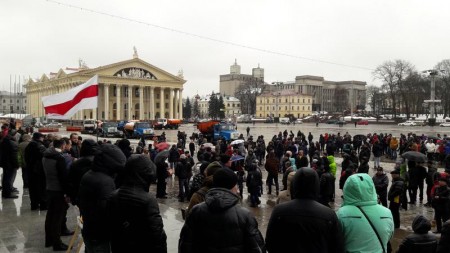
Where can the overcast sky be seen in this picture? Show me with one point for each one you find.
(38, 36)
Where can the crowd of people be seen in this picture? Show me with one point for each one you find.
(110, 185)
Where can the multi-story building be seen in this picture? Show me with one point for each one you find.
(283, 103)
(131, 89)
(232, 105)
(229, 83)
(328, 95)
(11, 102)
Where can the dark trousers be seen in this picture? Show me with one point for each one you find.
(383, 198)
(394, 207)
(37, 190)
(57, 208)
(25, 176)
(7, 181)
(270, 180)
(429, 187)
(412, 194)
(421, 183)
(183, 187)
(440, 217)
(161, 188)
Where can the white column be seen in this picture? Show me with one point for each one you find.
(118, 105)
(141, 103)
(171, 101)
(152, 103)
(180, 103)
(130, 101)
(177, 95)
(106, 97)
(161, 103)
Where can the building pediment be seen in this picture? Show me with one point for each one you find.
(134, 69)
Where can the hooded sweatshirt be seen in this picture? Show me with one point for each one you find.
(332, 165)
(359, 236)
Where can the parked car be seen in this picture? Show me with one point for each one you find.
(299, 121)
(445, 124)
(408, 123)
(363, 122)
(332, 121)
(53, 124)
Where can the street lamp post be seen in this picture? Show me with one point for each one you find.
(432, 101)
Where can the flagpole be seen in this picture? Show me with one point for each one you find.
(96, 120)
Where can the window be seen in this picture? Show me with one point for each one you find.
(166, 105)
(268, 107)
(286, 100)
(157, 105)
(260, 115)
(166, 96)
(10, 101)
(298, 100)
(125, 91)
(309, 100)
(303, 108)
(272, 102)
(298, 107)
(273, 108)
(114, 91)
(303, 101)
(25, 101)
(285, 108)
(136, 92)
(228, 105)
(17, 100)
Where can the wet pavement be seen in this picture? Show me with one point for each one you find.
(22, 230)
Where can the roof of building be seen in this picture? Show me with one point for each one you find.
(283, 93)
(225, 98)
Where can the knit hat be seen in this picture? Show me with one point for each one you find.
(395, 172)
(224, 178)
(37, 135)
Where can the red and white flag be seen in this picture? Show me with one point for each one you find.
(65, 105)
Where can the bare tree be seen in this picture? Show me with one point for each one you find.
(247, 94)
(393, 75)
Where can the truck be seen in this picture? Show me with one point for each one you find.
(137, 129)
(89, 126)
(106, 129)
(214, 129)
(167, 123)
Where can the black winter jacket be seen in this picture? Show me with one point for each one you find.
(326, 184)
(55, 171)
(95, 188)
(396, 189)
(33, 156)
(76, 172)
(381, 183)
(183, 169)
(444, 242)
(133, 214)
(421, 241)
(9, 157)
(220, 225)
(303, 224)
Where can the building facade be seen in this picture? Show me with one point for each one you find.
(326, 95)
(229, 83)
(131, 89)
(283, 103)
(232, 106)
(11, 102)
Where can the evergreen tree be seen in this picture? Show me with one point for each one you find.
(196, 109)
(213, 106)
(187, 109)
(221, 106)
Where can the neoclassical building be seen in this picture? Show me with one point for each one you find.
(131, 89)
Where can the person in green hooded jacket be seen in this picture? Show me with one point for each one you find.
(360, 201)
